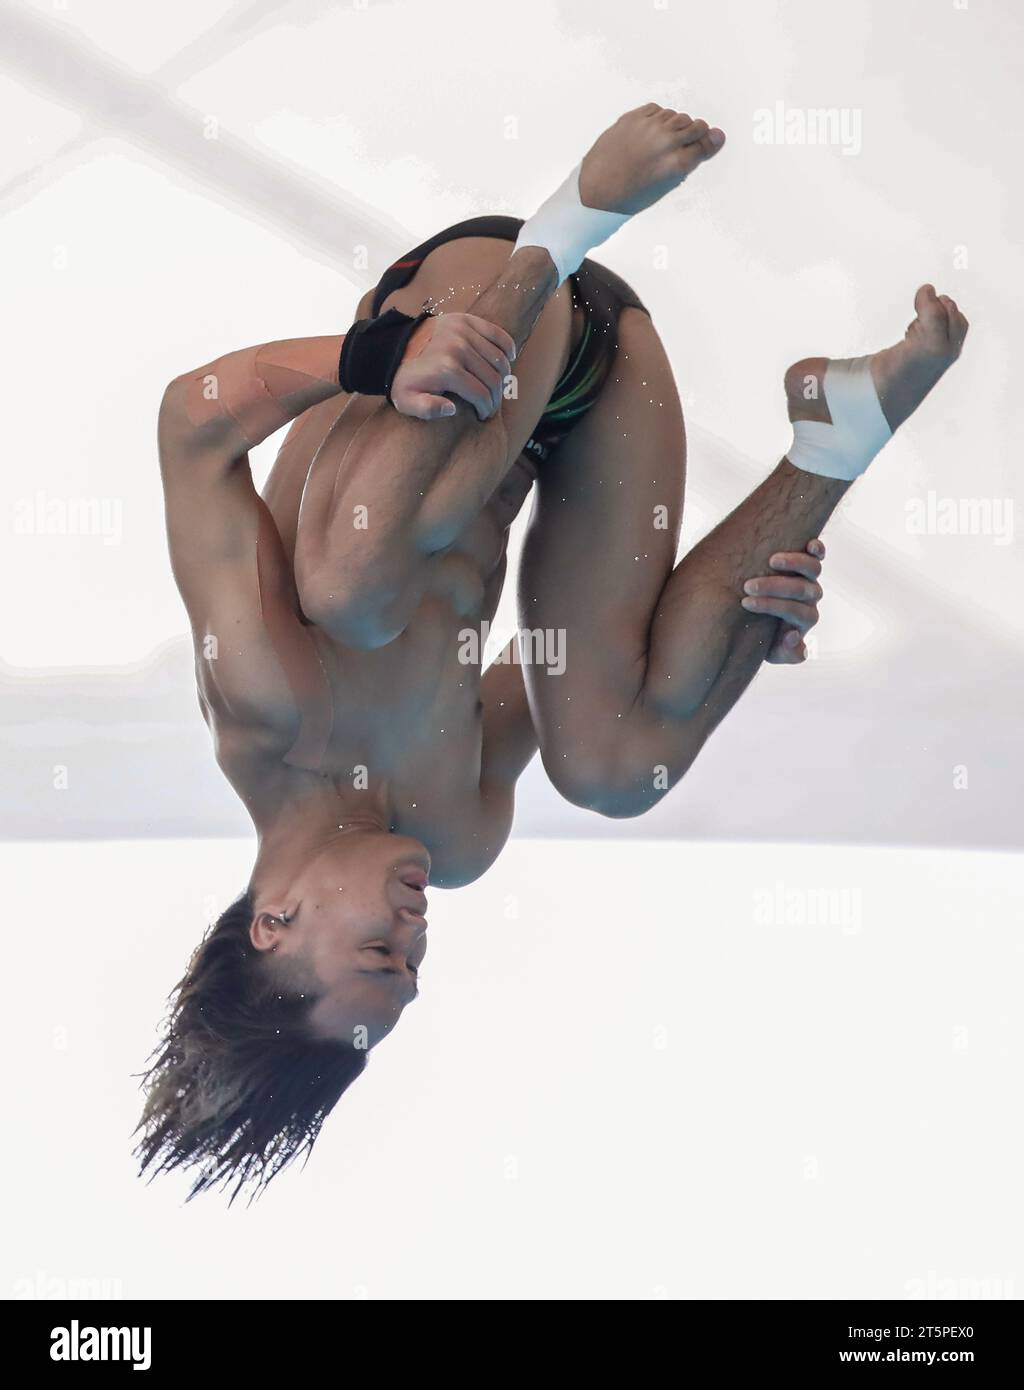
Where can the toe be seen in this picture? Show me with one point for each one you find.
(925, 301)
(695, 131)
(952, 315)
(957, 325)
(931, 311)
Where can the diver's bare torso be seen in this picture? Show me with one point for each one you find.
(409, 714)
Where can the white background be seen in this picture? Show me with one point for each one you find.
(628, 1075)
(625, 1077)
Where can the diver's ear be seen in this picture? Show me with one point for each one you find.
(267, 929)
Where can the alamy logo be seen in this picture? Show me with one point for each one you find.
(940, 1287)
(43, 515)
(76, 1343)
(785, 905)
(536, 646)
(795, 125)
(933, 515)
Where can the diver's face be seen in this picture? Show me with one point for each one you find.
(359, 924)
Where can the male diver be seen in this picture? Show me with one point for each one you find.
(329, 614)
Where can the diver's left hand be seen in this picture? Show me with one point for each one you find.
(792, 593)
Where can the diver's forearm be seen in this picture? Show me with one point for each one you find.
(705, 646)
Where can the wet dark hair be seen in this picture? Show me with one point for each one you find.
(238, 1086)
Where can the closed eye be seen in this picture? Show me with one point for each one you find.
(382, 950)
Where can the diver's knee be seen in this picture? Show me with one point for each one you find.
(607, 782)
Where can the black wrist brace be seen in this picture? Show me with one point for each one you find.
(372, 352)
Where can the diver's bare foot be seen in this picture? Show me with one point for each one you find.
(903, 374)
(643, 156)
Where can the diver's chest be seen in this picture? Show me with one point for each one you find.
(420, 691)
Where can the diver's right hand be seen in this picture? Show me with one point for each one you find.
(453, 355)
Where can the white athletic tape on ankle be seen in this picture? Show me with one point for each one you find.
(858, 430)
(567, 229)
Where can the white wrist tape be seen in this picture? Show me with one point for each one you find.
(567, 229)
(858, 430)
